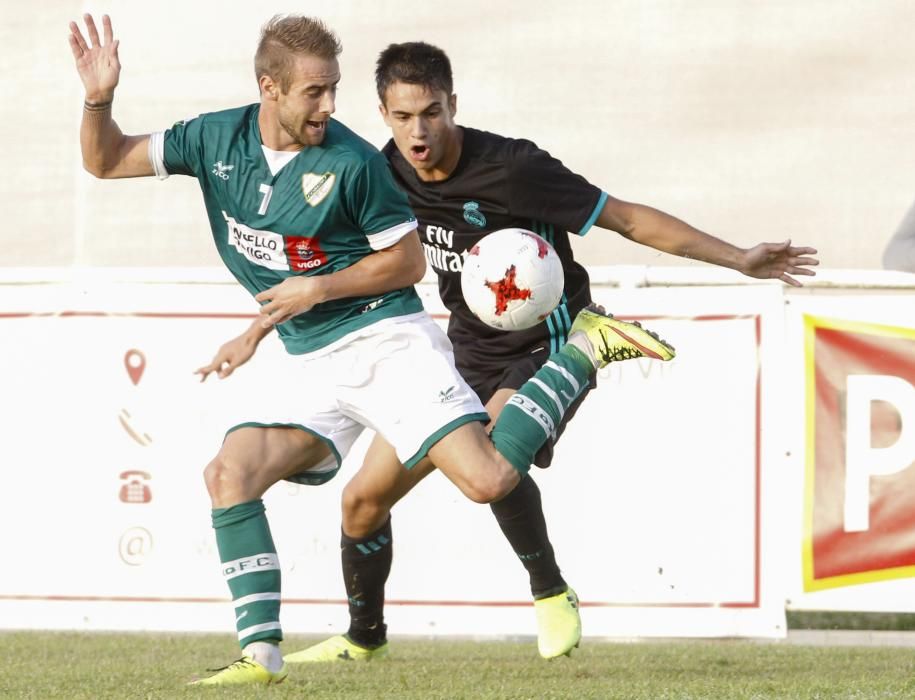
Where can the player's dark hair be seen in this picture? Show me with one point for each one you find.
(284, 36)
(414, 62)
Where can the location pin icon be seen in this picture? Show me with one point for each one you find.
(135, 363)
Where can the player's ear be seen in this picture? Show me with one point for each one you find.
(383, 111)
(452, 104)
(269, 89)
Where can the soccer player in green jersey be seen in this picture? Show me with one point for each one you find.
(306, 215)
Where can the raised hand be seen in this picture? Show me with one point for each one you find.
(96, 61)
(779, 261)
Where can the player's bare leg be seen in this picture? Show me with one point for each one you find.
(380, 483)
(249, 462)
(365, 551)
(252, 459)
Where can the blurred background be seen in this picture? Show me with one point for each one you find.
(752, 120)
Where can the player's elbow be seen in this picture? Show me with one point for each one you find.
(417, 269)
(98, 170)
(93, 169)
(412, 262)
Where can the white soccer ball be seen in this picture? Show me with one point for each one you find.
(512, 279)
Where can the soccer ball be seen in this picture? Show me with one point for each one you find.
(512, 279)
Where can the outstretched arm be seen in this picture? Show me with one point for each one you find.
(236, 352)
(107, 152)
(669, 234)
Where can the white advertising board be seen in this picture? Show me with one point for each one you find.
(658, 502)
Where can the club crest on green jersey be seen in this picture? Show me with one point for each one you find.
(304, 253)
(473, 215)
(316, 186)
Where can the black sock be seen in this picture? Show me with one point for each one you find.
(366, 565)
(520, 515)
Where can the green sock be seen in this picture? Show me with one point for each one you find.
(252, 570)
(580, 356)
(532, 414)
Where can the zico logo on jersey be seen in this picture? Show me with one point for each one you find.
(304, 253)
(316, 186)
(221, 170)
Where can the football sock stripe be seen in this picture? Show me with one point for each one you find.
(531, 414)
(560, 409)
(567, 375)
(564, 309)
(254, 633)
(251, 569)
(366, 565)
(253, 598)
(549, 324)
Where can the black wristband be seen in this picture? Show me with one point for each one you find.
(96, 106)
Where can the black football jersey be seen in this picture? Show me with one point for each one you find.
(500, 183)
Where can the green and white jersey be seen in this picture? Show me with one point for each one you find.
(275, 215)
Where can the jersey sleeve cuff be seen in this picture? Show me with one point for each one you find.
(156, 153)
(594, 214)
(388, 237)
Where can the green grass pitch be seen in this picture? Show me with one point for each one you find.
(93, 666)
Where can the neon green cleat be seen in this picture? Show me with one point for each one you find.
(558, 624)
(612, 340)
(245, 671)
(338, 648)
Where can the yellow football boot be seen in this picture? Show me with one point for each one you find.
(558, 624)
(612, 340)
(338, 648)
(245, 671)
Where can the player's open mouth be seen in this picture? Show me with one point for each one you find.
(316, 125)
(420, 153)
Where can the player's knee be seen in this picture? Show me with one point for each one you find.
(491, 485)
(225, 481)
(362, 512)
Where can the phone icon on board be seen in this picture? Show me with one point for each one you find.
(135, 488)
(127, 422)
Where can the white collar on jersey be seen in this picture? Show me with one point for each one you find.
(277, 159)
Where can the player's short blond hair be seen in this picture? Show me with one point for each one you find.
(283, 36)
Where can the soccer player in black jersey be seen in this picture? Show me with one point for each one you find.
(463, 183)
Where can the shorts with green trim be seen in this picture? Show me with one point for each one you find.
(397, 378)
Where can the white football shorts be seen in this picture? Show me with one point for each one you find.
(397, 378)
